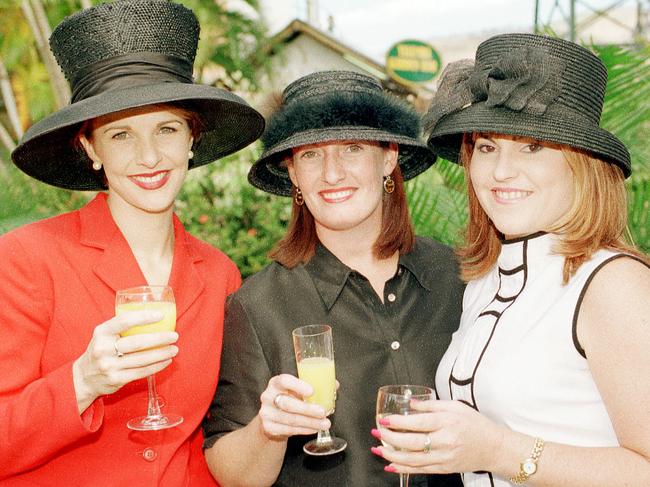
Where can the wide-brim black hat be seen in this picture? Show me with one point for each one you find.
(526, 85)
(124, 55)
(331, 106)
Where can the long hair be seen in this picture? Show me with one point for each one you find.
(597, 218)
(397, 234)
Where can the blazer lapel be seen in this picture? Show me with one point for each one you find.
(116, 266)
(185, 278)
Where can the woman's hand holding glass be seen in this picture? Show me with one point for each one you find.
(314, 350)
(445, 437)
(111, 361)
(284, 412)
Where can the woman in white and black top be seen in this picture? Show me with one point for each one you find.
(545, 381)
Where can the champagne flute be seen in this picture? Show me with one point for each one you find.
(396, 399)
(315, 360)
(158, 298)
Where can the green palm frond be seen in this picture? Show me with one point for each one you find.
(627, 115)
(438, 203)
(627, 103)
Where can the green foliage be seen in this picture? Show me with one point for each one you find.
(231, 40)
(219, 206)
(627, 115)
(438, 202)
(23, 199)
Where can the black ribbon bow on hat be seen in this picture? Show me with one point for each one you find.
(525, 79)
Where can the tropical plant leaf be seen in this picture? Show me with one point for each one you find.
(437, 202)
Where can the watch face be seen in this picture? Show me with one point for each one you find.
(529, 466)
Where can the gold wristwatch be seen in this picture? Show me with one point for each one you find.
(529, 466)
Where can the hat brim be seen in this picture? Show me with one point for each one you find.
(46, 151)
(557, 125)
(268, 174)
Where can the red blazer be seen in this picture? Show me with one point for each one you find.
(58, 279)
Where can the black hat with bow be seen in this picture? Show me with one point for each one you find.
(123, 55)
(525, 85)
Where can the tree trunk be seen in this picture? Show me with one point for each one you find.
(9, 100)
(9, 143)
(37, 21)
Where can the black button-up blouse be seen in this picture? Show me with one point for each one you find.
(399, 341)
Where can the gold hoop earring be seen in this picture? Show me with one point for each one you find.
(389, 184)
(97, 165)
(298, 198)
(190, 154)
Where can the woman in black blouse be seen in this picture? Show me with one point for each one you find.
(341, 147)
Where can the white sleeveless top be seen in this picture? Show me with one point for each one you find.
(515, 357)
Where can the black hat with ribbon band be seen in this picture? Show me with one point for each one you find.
(331, 106)
(123, 55)
(525, 85)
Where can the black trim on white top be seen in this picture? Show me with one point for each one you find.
(574, 325)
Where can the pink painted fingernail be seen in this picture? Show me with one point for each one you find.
(384, 421)
(377, 451)
(390, 468)
(376, 433)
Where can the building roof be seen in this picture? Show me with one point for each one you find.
(297, 27)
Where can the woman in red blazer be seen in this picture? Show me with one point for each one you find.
(68, 381)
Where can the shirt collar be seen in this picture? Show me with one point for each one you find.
(329, 274)
(423, 269)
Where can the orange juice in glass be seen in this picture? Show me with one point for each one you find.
(320, 373)
(168, 323)
(159, 298)
(314, 351)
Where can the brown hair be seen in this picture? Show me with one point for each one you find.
(397, 234)
(186, 112)
(596, 220)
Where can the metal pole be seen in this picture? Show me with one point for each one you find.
(312, 13)
(573, 21)
(536, 26)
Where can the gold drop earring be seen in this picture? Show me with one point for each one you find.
(389, 184)
(298, 198)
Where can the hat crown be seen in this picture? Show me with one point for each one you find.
(583, 77)
(336, 106)
(121, 28)
(119, 56)
(325, 82)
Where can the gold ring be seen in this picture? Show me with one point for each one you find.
(117, 352)
(427, 444)
(276, 401)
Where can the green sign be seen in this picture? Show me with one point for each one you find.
(413, 62)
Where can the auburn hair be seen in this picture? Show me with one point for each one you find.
(597, 218)
(397, 234)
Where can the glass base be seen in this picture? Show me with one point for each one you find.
(152, 423)
(329, 447)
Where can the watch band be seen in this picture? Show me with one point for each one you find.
(529, 466)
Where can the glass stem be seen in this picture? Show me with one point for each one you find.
(323, 437)
(153, 407)
(403, 480)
